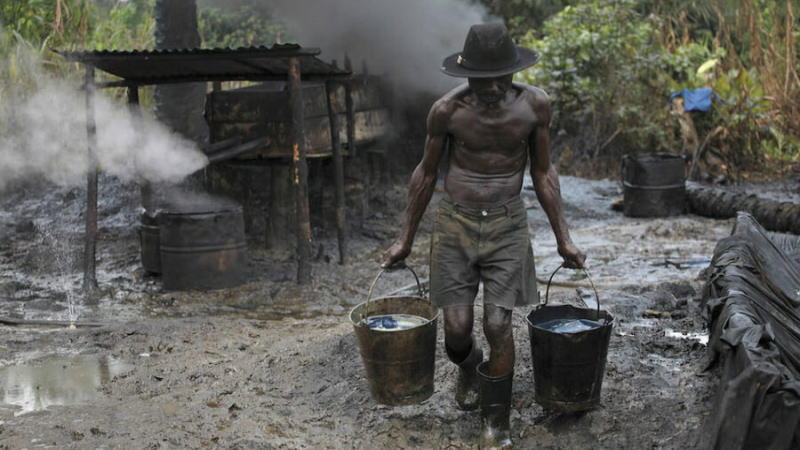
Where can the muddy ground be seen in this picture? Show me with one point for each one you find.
(275, 365)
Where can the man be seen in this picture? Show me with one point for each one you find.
(492, 127)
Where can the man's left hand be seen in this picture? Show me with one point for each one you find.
(573, 258)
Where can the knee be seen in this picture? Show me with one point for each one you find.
(458, 326)
(497, 325)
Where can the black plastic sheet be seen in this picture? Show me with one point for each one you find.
(753, 302)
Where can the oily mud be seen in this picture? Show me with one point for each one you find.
(271, 364)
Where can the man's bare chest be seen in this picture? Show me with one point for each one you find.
(501, 131)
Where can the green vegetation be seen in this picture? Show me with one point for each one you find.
(29, 29)
(610, 65)
(245, 25)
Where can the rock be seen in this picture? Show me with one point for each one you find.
(655, 314)
(665, 300)
(680, 290)
(25, 226)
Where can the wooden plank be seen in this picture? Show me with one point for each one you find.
(300, 174)
(270, 102)
(368, 126)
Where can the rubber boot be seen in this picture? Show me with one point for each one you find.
(467, 385)
(495, 409)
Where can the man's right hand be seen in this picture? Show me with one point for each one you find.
(397, 252)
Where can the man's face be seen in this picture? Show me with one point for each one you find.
(491, 90)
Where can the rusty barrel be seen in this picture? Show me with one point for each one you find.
(149, 237)
(654, 185)
(202, 248)
(399, 364)
(568, 368)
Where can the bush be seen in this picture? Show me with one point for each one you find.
(609, 70)
(608, 75)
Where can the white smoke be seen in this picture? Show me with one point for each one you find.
(403, 39)
(43, 133)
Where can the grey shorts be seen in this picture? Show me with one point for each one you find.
(471, 245)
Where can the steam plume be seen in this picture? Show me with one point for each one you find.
(43, 133)
(404, 39)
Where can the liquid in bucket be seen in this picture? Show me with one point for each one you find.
(569, 325)
(394, 322)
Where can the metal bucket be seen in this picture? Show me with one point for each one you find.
(399, 364)
(654, 185)
(568, 368)
(149, 241)
(202, 249)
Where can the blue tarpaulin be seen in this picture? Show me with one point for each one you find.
(700, 99)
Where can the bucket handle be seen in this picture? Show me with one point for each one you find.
(596, 295)
(622, 169)
(400, 265)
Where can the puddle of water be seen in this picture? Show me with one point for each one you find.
(57, 380)
(702, 338)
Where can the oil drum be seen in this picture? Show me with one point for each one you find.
(202, 248)
(149, 241)
(654, 185)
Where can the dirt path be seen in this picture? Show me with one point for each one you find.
(273, 365)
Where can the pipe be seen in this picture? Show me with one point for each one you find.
(236, 150)
(48, 323)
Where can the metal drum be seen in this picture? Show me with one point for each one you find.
(654, 185)
(399, 364)
(202, 247)
(149, 241)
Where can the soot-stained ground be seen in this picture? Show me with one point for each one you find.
(275, 365)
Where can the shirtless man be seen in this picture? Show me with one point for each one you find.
(492, 127)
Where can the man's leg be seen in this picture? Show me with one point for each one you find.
(500, 334)
(462, 350)
(496, 377)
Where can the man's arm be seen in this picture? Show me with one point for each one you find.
(422, 184)
(548, 190)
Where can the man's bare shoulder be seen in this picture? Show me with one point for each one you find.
(451, 100)
(443, 108)
(537, 97)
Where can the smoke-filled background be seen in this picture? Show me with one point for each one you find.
(44, 135)
(403, 39)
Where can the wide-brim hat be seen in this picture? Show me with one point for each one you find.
(489, 52)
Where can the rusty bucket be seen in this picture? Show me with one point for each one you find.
(399, 363)
(568, 367)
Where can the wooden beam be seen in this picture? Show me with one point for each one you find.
(90, 244)
(300, 173)
(338, 167)
(205, 78)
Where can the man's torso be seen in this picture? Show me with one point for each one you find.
(489, 146)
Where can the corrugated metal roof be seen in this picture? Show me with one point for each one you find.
(217, 64)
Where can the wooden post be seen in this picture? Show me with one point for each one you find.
(282, 214)
(350, 112)
(359, 166)
(300, 173)
(90, 244)
(338, 165)
(145, 188)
